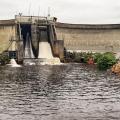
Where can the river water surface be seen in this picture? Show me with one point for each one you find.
(65, 92)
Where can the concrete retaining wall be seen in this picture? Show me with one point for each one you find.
(95, 38)
(7, 32)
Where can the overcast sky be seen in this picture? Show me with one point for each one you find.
(71, 11)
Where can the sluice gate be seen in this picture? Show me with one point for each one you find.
(37, 39)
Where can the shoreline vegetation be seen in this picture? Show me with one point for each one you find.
(4, 59)
(102, 61)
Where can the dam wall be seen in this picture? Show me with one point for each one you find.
(7, 32)
(77, 37)
(95, 38)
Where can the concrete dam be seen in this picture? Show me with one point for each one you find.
(87, 37)
(28, 35)
(39, 43)
(33, 38)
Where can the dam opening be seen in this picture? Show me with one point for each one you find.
(37, 41)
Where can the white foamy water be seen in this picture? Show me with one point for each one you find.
(45, 52)
(53, 61)
(13, 63)
(45, 55)
(28, 48)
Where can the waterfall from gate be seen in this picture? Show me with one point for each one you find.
(28, 48)
(45, 50)
(45, 55)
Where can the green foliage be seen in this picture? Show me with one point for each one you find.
(96, 56)
(70, 56)
(86, 56)
(78, 56)
(4, 59)
(106, 60)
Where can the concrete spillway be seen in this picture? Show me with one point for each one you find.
(28, 48)
(45, 55)
(45, 50)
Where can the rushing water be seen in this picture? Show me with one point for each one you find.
(66, 92)
(28, 53)
(45, 50)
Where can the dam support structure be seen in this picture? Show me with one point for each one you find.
(37, 40)
(23, 38)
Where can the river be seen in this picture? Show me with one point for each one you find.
(63, 92)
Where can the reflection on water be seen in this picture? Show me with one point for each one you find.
(66, 92)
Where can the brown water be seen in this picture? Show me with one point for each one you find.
(66, 92)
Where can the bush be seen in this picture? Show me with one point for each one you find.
(78, 57)
(4, 59)
(81, 57)
(69, 56)
(96, 56)
(105, 61)
(86, 56)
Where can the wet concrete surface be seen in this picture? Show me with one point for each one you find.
(65, 92)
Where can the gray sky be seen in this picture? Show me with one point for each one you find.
(71, 11)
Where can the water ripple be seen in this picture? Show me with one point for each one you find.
(66, 92)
